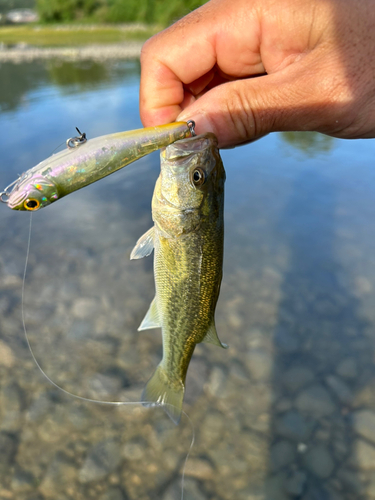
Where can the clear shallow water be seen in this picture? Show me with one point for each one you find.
(287, 412)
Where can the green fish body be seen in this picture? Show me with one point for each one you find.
(187, 238)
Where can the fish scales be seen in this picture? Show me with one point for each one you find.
(187, 238)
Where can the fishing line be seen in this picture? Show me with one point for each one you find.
(89, 400)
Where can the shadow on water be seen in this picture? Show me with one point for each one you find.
(324, 352)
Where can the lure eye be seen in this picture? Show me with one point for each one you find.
(31, 204)
(198, 177)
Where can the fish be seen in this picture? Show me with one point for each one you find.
(87, 161)
(187, 240)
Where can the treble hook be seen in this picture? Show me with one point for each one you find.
(74, 142)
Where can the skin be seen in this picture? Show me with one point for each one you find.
(244, 68)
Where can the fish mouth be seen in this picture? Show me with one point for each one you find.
(182, 149)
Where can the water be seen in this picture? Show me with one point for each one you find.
(287, 412)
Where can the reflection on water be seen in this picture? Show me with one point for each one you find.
(309, 142)
(90, 75)
(287, 412)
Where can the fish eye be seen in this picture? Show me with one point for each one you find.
(198, 176)
(31, 204)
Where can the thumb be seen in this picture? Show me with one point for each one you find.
(241, 111)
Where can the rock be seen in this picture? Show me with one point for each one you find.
(61, 471)
(103, 458)
(315, 401)
(319, 461)
(85, 307)
(103, 386)
(286, 341)
(197, 374)
(364, 424)
(80, 330)
(192, 491)
(350, 481)
(8, 447)
(296, 483)
(322, 434)
(134, 449)
(238, 371)
(347, 368)
(10, 281)
(362, 286)
(11, 397)
(341, 390)
(292, 425)
(297, 377)
(275, 487)
(22, 480)
(316, 492)
(7, 358)
(216, 382)
(40, 407)
(363, 455)
(282, 453)
(340, 449)
(370, 489)
(113, 494)
(283, 405)
(260, 364)
(199, 469)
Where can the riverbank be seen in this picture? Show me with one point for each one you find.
(73, 42)
(25, 53)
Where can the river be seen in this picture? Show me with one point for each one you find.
(286, 413)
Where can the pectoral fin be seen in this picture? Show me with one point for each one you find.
(152, 318)
(144, 245)
(211, 337)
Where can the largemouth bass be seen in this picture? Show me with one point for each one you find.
(85, 162)
(187, 238)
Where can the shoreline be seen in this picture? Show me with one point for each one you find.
(100, 52)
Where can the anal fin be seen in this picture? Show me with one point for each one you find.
(211, 337)
(152, 318)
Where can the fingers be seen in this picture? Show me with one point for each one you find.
(298, 97)
(183, 58)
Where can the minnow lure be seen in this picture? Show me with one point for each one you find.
(87, 161)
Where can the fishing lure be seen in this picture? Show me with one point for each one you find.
(87, 161)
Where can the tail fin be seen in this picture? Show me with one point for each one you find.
(161, 390)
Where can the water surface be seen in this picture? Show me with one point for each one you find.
(287, 412)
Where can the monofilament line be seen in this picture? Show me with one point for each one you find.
(81, 398)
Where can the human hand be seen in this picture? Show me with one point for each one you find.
(243, 68)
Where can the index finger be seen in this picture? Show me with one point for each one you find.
(183, 57)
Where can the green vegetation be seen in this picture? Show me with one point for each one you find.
(71, 36)
(7, 5)
(115, 11)
(80, 22)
